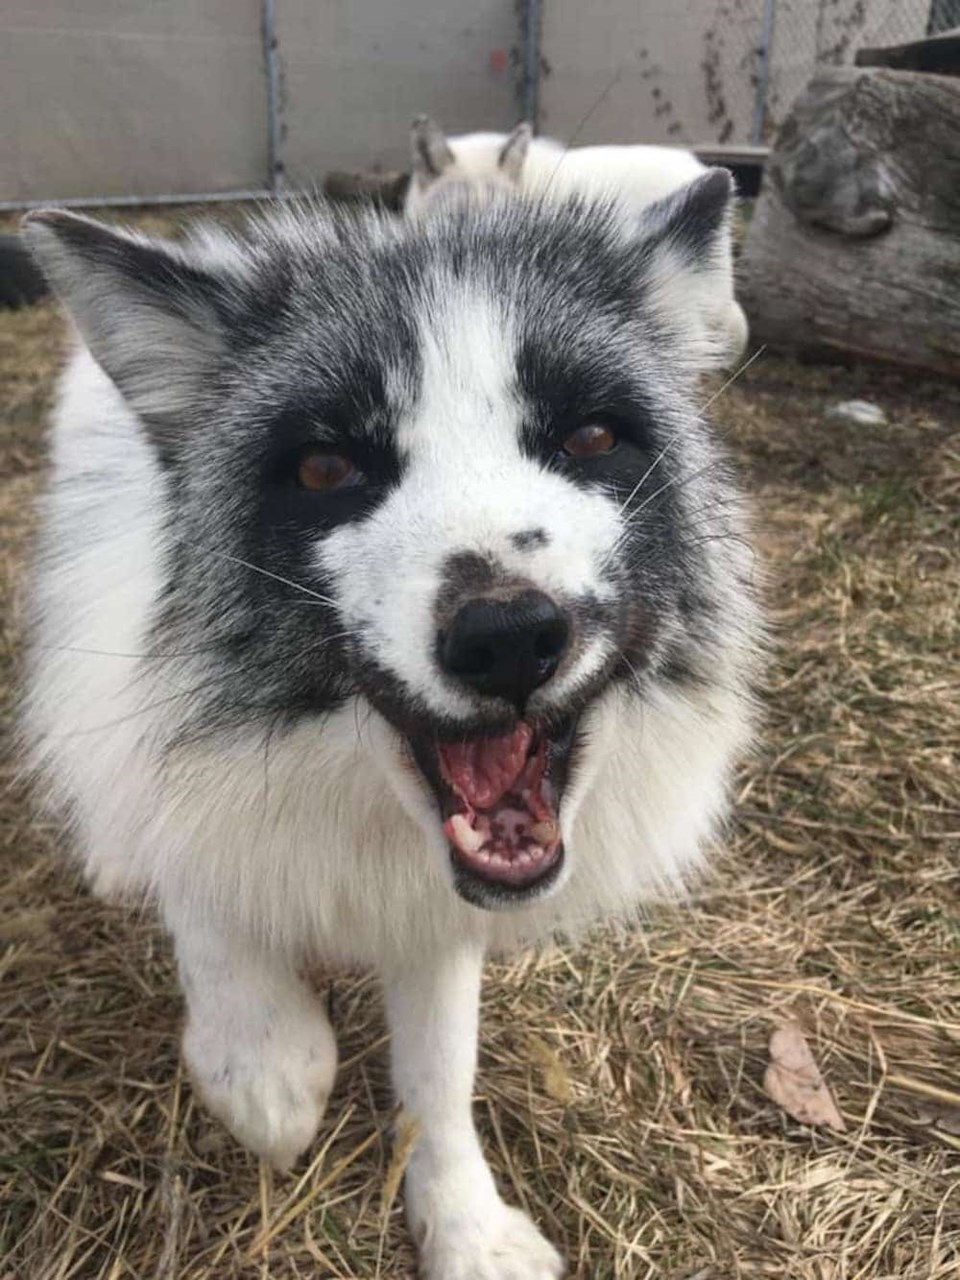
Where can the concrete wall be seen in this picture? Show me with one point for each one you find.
(356, 72)
(103, 97)
(147, 97)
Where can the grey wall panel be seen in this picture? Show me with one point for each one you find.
(103, 97)
(355, 72)
(665, 72)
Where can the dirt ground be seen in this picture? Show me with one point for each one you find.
(620, 1089)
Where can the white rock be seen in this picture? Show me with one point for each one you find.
(859, 412)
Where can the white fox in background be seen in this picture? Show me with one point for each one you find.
(477, 163)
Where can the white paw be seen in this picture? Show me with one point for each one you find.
(266, 1077)
(502, 1245)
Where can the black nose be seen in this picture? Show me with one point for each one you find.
(505, 648)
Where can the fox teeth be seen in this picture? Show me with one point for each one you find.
(544, 832)
(466, 838)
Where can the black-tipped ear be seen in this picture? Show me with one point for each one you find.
(514, 151)
(429, 149)
(153, 320)
(693, 218)
(686, 261)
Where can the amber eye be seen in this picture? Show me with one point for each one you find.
(590, 441)
(324, 472)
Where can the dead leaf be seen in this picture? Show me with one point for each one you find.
(406, 1133)
(556, 1080)
(794, 1082)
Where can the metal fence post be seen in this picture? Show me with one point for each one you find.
(277, 176)
(763, 72)
(531, 61)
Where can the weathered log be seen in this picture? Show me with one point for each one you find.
(387, 189)
(855, 242)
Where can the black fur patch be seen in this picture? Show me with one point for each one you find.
(695, 219)
(530, 539)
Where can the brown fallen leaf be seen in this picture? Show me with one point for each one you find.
(794, 1082)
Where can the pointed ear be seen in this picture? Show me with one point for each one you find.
(687, 259)
(154, 320)
(514, 152)
(695, 220)
(429, 150)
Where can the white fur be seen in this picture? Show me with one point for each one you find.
(258, 1044)
(325, 844)
(463, 1228)
(388, 570)
(635, 175)
(363, 873)
(334, 795)
(638, 174)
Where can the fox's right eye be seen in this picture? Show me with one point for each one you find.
(326, 472)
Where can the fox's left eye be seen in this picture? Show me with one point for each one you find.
(326, 472)
(590, 440)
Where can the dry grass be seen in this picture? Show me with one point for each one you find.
(619, 1091)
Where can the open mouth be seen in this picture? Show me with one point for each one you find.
(499, 798)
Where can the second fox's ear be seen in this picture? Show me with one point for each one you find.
(684, 252)
(153, 320)
(429, 150)
(514, 152)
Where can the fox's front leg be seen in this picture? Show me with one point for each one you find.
(258, 1043)
(464, 1231)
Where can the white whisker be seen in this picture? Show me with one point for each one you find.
(267, 573)
(678, 482)
(734, 376)
(678, 435)
(652, 467)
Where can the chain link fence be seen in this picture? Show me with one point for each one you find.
(805, 34)
(704, 72)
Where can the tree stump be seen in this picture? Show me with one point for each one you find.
(854, 246)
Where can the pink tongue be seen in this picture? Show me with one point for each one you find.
(484, 770)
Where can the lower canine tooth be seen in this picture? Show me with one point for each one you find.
(465, 837)
(544, 832)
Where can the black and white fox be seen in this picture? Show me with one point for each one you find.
(392, 607)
